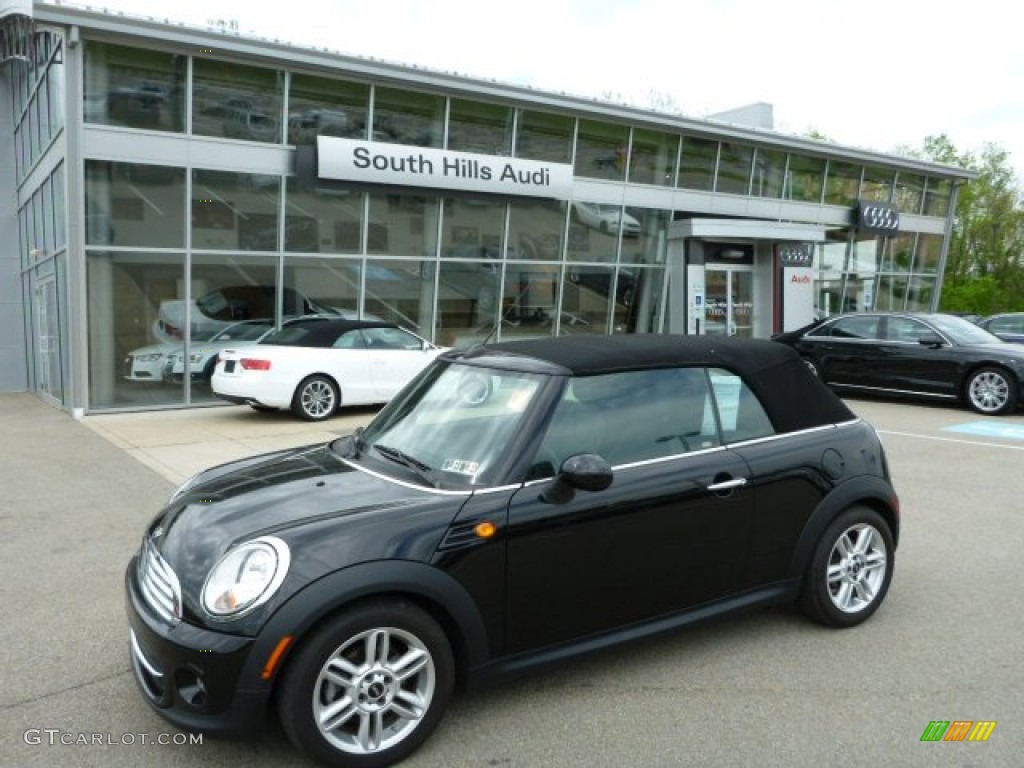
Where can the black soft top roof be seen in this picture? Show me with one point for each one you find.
(793, 397)
(321, 331)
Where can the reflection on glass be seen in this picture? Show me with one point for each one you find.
(891, 293)
(236, 101)
(587, 299)
(134, 87)
(323, 285)
(401, 224)
(401, 291)
(127, 355)
(769, 172)
(529, 301)
(131, 204)
(919, 294)
(321, 106)
(909, 192)
(867, 255)
(877, 184)
(594, 231)
(472, 228)
(234, 211)
(481, 128)
(467, 302)
(59, 208)
(651, 241)
(601, 150)
(652, 158)
(896, 256)
(937, 197)
(543, 136)
(843, 183)
(323, 218)
(734, 166)
(407, 117)
(536, 228)
(926, 260)
(804, 179)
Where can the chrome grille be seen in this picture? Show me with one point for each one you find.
(159, 584)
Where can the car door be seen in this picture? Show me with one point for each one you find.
(347, 360)
(845, 351)
(907, 365)
(669, 533)
(395, 356)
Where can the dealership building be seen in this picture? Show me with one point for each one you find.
(160, 183)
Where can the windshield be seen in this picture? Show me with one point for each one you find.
(456, 424)
(962, 331)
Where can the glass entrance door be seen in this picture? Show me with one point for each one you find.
(48, 372)
(729, 302)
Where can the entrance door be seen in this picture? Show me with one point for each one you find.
(729, 300)
(48, 379)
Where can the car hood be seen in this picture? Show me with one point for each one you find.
(162, 349)
(303, 496)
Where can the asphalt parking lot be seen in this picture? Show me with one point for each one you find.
(764, 689)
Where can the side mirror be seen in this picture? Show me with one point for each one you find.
(932, 340)
(583, 472)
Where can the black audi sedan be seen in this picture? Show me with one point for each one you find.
(936, 356)
(514, 505)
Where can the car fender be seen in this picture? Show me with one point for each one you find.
(865, 489)
(307, 607)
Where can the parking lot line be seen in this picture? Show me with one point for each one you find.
(952, 440)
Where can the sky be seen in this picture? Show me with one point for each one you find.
(875, 74)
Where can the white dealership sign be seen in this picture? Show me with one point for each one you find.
(375, 162)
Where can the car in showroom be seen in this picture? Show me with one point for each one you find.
(1008, 326)
(515, 505)
(935, 356)
(610, 219)
(315, 365)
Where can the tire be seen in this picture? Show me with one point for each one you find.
(316, 398)
(850, 571)
(359, 656)
(812, 367)
(991, 391)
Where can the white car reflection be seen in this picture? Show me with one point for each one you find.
(607, 218)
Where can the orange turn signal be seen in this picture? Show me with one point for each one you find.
(485, 530)
(275, 657)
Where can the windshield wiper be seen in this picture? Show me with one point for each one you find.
(422, 470)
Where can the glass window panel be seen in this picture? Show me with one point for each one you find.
(472, 228)
(55, 95)
(804, 179)
(128, 350)
(402, 224)
(594, 231)
(919, 294)
(324, 218)
(134, 205)
(866, 256)
(638, 305)
(648, 244)
(734, 165)
(878, 184)
(331, 283)
(909, 192)
(769, 173)
(536, 229)
(467, 302)
(937, 196)
(46, 210)
(697, 164)
(543, 136)
(601, 150)
(32, 123)
(481, 128)
(236, 101)
(529, 300)
(587, 299)
(842, 184)
(134, 87)
(234, 211)
(321, 106)
(897, 253)
(401, 291)
(406, 117)
(43, 104)
(652, 157)
(891, 293)
(859, 293)
(926, 259)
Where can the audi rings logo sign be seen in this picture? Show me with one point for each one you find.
(875, 217)
(795, 254)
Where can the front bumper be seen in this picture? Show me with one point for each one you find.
(196, 679)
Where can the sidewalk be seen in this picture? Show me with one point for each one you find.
(177, 444)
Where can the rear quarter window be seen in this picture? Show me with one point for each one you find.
(740, 412)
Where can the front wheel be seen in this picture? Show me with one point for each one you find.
(368, 687)
(315, 399)
(991, 391)
(850, 571)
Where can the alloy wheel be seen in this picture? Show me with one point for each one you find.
(989, 391)
(856, 568)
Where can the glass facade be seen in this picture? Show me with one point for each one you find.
(175, 253)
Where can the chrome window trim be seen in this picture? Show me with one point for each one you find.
(404, 483)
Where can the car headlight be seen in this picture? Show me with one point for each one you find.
(245, 577)
(149, 357)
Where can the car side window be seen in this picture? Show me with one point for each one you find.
(865, 327)
(350, 340)
(740, 412)
(390, 338)
(629, 417)
(905, 329)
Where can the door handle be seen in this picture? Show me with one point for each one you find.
(727, 485)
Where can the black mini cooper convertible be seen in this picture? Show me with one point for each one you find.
(514, 505)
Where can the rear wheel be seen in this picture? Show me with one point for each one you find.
(850, 571)
(991, 391)
(369, 687)
(315, 399)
